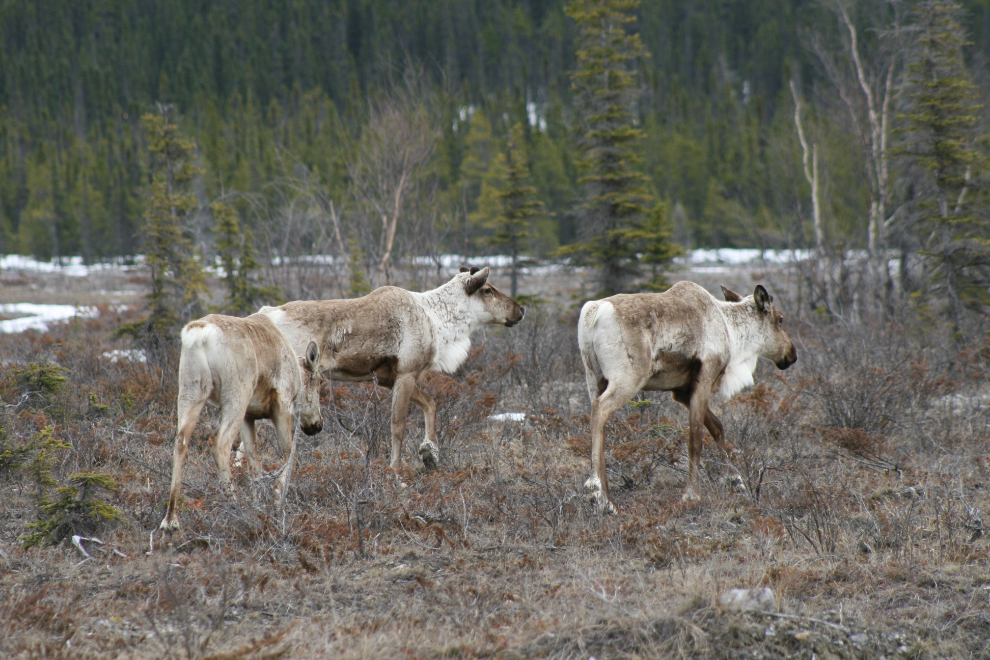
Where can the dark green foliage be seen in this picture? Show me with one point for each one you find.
(616, 200)
(512, 228)
(240, 265)
(177, 279)
(75, 509)
(42, 378)
(13, 453)
(357, 282)
(274, 93)
(43, 446)
(657, 247)
(942, 137)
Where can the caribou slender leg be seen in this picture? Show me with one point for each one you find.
(697, 415)
(249, 446)
(429, 451)
(712, 422)
(714, 426)
(616, 394)
(401, 392)
(285, 430)
(230, 422)
(188, 415)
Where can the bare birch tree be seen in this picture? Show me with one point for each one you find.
(866, 90)
(811, 175)
(395, 146)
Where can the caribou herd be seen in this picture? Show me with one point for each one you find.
(270, 364)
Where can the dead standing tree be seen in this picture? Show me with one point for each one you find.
(866, 90)
(395, 146)
(822, 259)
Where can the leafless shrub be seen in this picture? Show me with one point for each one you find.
(196, 619)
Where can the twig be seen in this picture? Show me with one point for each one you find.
(185, 484)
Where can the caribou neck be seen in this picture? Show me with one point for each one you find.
(452, 324)
(744, 347)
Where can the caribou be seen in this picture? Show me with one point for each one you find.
(247, 368)
(393, 337)
(684, 341)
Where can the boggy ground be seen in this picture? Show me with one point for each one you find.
(866, 475)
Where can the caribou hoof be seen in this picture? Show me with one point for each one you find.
(603, 505)
(736, 483)
(428, 453)
(170, 524)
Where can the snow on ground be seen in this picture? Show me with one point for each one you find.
(127, 355)
(70, 266)
(33, 316)
(508, 417)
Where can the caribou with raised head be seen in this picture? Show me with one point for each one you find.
(684, 341)
(245, 366)
(393, 337)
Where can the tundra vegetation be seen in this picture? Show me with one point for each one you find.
(865, 467)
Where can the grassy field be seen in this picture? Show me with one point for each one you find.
(866, 470)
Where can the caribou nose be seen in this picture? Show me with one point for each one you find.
(787, 361)
(313, 429)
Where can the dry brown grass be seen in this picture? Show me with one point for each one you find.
(866, 474)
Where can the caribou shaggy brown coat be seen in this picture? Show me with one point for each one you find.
(683, 341)
(393, 337)
(246, 367)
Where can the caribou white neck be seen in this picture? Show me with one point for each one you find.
(453, 325)
(744, 350)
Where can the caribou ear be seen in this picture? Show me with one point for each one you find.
(464, 269)
(762, 298)
(477, 280)
(474, 269)
(312, 356)
(730, 296)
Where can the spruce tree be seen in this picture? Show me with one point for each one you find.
(942, 138)
(357, 281)
(177, 279)
(658, 250)
(240, 265)
(616, 199)
(512, 226)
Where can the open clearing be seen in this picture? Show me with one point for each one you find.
(865, 466)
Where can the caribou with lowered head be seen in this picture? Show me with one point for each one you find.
(393, 337)
(684, 341)
(245, 366)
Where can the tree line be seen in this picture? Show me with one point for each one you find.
(376, 131)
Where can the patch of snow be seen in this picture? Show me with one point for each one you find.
(38, 316)
(508, 417)
(70, 266)
(130, 355)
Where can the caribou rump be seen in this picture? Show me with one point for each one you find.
(245, 366)
(684, 341)
(393, 337)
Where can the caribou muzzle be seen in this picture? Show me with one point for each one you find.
(313, 429)
(512, 322)
(788, 360)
